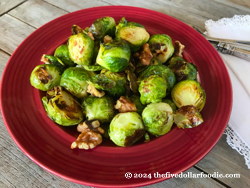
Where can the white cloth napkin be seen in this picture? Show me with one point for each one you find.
(238, 129)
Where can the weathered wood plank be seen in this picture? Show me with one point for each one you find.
(3, 61)
(6, 5)
(12, 33)
(36, 12)
(208, 9)
(71, 5)
(225, 160)
(163, 7)
(242, 4)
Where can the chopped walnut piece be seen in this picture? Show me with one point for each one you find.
(91, 35)
(45, 60)
(125, 105)
(136, 54)
(107, 39)
(93, 91)
(90, 136)
(178, 49)
(145, 54)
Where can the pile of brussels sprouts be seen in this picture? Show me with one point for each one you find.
(86, 77)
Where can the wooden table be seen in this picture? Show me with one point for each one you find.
(18, 18)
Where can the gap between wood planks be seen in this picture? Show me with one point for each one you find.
(13, 8)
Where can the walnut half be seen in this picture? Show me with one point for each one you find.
(178, 49)
(145, 55)
(90, 136)
(125, 105)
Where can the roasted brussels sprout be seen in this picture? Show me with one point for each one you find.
(62, 108)
(135, 34)
(101, 81)
(81, 48)
(103, 26)
(62, 53)
(182, 69)
(189, 92)
(126, 128)
(45, 77)
(120, 80)
(92, 67)
(161, 47)
(187, 117)
(152, 89)
(158, 118)
(136, 100)
(74, 79)
(161, 70)
(171, 104)
(49, 59)
(114, 55)
(101, 109)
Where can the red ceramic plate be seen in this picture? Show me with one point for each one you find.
(48, 144)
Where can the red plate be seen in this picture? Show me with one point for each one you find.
(48, 145)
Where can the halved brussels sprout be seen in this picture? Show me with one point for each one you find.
(171, 103)
(114, 55)
(126, 128)
(101, 109)
(189, 92)
(158, 118)
(161, 70)
(161, 47)
(152, 89)
(74, 79)
(81, 48)
(49, 59)
(62, 108)
(120, 80)
(135, 34)
(187, 117)
(136, 100)
(45, 77)
(103, 26)
(182, 69)
(62, 53)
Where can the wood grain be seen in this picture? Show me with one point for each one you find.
(12, 33)
(6, 5)
(37, 12)
(71, 5)
(225, 160)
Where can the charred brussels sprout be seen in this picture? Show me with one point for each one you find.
(152, 89)
(171, 104)
(136, 100)
(101, 109)
(114, 55)
(189, 92)
(182, 69)
(126, 128)
(45, 77)
(62, 53)
(161, 47)
(161, 70)
(103, 26)
(62, 108)
(74, 79)
(81, 48)
(120, 80)
(158, 118)
(187, 117)
(135, 34)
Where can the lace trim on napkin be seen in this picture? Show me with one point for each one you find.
(236, 21)
(236, 143)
